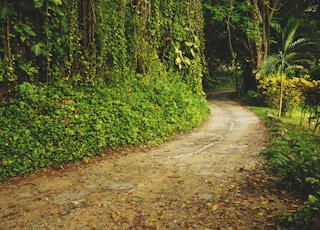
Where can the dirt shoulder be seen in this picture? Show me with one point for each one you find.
(210, 178)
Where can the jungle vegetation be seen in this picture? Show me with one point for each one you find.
(78, 77)
(270, 49)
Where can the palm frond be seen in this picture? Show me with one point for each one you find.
(294, 45)
(289, 32)
(294, 67)
(296, 57)
(291, 56)
(288, 58)
(270, 65)
(276, 26)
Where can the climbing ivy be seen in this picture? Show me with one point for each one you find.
(79, 76)
(83, 41)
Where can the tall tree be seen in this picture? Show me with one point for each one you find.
(248, 23)
(259, 45)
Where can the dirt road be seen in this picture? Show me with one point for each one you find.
(210, 178)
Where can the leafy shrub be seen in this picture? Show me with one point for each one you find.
(52, 125)
(293, 92)
(252, 98)
(311, 105)
(296, 162)
(221, 80)
(294, 156)
(307, 218)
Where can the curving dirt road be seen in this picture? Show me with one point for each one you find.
(210, 178)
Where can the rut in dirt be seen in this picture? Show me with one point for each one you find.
(210, 178)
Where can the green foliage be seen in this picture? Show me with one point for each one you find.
(288, 58)
(293, 156)
(25, 31)
(220, 80)
(79, 76)
(307, 218)
(86, 41)
(39, 49)
(311, 104)
(293, 92)
(297, 92)
(52, 125)
(252, 98)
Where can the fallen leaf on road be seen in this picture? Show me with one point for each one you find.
(215, 207)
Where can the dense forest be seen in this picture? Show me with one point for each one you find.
(79, 77)
(242, 34)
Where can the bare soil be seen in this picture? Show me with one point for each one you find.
(209, 178)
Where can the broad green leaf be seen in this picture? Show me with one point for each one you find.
(38, 3)
(39, 49)
(57, 2)
(28, 30)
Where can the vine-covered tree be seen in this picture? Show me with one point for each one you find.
(90, 40)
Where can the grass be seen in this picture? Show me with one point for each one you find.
(292, 121)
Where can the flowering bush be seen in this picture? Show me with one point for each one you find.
(311, 105)
(295, 91)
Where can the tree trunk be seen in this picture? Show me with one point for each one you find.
(249, 78)
(281, 97)
(262, 16)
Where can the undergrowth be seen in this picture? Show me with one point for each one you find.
(52, 125)
(220, 80)
(294, 156)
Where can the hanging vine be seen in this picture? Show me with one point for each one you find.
(72, 45)
(112, 41)
(7, 13)
(88, 40)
